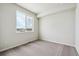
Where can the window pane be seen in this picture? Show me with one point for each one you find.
(20, 20)
(29, 21)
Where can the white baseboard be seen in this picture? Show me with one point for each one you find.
(15, 46)
(31, 41)
(61, 43)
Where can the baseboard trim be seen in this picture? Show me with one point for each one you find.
(59, 43)
(30, 42)
(17, 45)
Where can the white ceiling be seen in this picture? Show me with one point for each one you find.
(43, 9)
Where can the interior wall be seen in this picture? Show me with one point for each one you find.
(9, 37)
(58, 27)
(0, 27)
(77, 28)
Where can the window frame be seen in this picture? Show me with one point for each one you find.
(24, 30)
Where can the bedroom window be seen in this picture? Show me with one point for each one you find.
(24, 23)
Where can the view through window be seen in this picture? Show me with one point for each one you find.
(23, 22)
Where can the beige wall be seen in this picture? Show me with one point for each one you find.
(77, 29)
(58, 27)
(8, 36)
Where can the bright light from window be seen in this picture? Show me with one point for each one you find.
(23, 22)
(29, 22)
(20, 20)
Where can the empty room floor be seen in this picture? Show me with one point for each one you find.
(41, 48)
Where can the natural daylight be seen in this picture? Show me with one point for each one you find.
(39, 29)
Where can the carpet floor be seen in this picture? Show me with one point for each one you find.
(41, 48)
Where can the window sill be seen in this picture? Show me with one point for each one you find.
(23, 31)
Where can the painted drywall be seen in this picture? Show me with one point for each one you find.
(9, 37)
(0, 27)
(77, 28)
(58, 27)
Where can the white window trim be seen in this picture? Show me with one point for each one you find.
(32, 23)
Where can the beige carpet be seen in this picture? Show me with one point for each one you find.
(41, 48)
